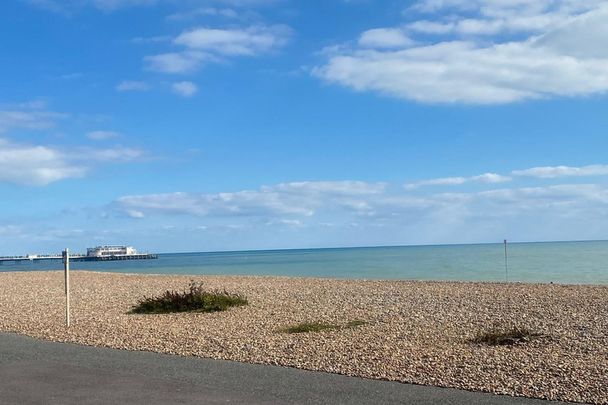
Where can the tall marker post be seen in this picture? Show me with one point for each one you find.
(506, 263)
(66, 267)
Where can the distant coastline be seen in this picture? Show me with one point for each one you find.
(382, 246)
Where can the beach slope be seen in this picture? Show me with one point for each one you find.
(416, 332)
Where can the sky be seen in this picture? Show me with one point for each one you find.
(205, 125)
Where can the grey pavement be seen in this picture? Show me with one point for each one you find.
(40, 372)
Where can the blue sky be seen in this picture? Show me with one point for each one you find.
(202, 125)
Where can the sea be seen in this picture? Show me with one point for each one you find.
(541, 262)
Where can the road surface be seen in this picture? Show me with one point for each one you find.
(41, 372)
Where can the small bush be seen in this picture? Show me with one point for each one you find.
(196, 299)
(309, 327)
(355, 323)
(503, 337)
(319, 326)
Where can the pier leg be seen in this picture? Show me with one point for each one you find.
(66, 267)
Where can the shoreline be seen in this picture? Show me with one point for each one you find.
(316, 278)
(415, 332)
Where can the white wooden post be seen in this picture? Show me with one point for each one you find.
(66, 267)
(506, 263)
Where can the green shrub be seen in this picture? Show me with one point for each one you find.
(504, 336)
(355, 323)
(195, 299)
(309, 327)
(319, 326)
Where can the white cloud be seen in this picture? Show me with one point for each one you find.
(240, 42)
(109, 155)
(384, 38)
(300, 199)
(204, 11)
(582, 37)
(431, 27)
(30, 115)
(135, 214)
(40, 165)
(385, 215)
(443, 181)
(32, 105)
(184, 89)
(562, 54)
(176, 62)
(561, 197)
(351, 213)
(486, 17)
(291, 222)
(69, 6)
(486, 178)
(205, 45)
(551, 172)
(502, 8)
(132, 85)
(542, 172)
(102, 135)
(310, 199)
(491, 178)
(35, 165)
(331, 187)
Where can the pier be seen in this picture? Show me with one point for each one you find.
(77, 258)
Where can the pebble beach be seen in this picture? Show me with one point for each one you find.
(414, 332)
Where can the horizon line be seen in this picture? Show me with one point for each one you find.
(385, 246)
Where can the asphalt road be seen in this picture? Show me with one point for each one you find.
(40, 372)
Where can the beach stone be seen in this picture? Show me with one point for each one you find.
(416, 332)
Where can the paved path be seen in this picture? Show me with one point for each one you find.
(39, 372)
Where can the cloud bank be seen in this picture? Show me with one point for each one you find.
(28, 116)
(480, 52)
(338, 213)
(542, 172)
(40, 165)
(37, 164)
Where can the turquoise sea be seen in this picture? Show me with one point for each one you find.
(558, 262)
